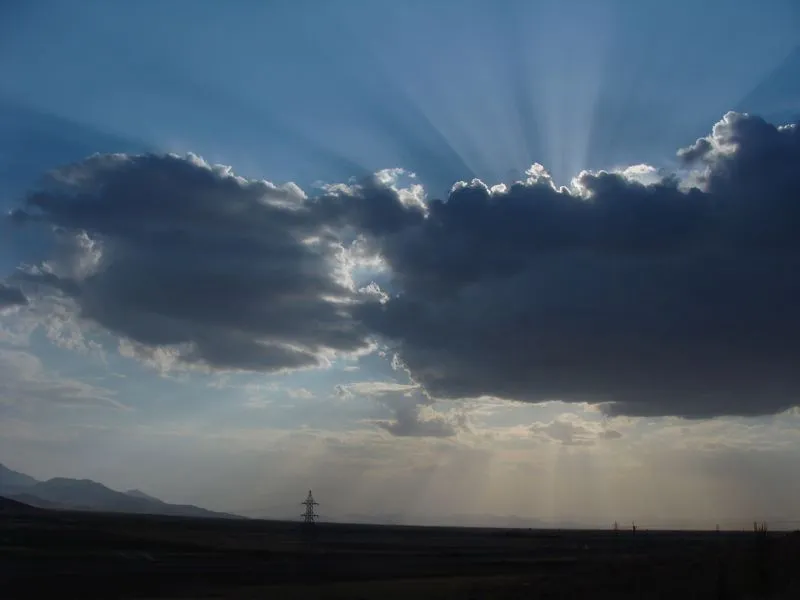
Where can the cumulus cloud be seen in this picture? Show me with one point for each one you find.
(190, 263)
(657, 299)
(412, 420)
(412, 413)
(643, 292)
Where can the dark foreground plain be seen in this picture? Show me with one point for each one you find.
(49, 554)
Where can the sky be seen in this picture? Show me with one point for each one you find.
(527, 263)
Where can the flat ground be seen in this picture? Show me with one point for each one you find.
(90, 555)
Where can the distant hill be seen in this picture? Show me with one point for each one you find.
(140, 494)
(35, 501)
(84, 494)
(13, 480)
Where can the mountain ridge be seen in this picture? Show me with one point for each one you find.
(11, 478)
(140, 494)
(64, 493)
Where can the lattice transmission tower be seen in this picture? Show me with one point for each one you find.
(309, 516)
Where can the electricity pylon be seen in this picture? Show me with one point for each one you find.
(309, 516)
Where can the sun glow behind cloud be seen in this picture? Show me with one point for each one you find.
(449, 93)
(522, 83)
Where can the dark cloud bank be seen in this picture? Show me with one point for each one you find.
(659, 299)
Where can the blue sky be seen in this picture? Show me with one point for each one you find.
(320, 93)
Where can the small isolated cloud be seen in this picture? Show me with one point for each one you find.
(24, 380)
(570, 430)
(300, 393)
(380, 388)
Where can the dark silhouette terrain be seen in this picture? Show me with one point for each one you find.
(16, 507)
(85, 494)
(103, 555)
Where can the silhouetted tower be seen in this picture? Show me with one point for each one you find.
(309, 516)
